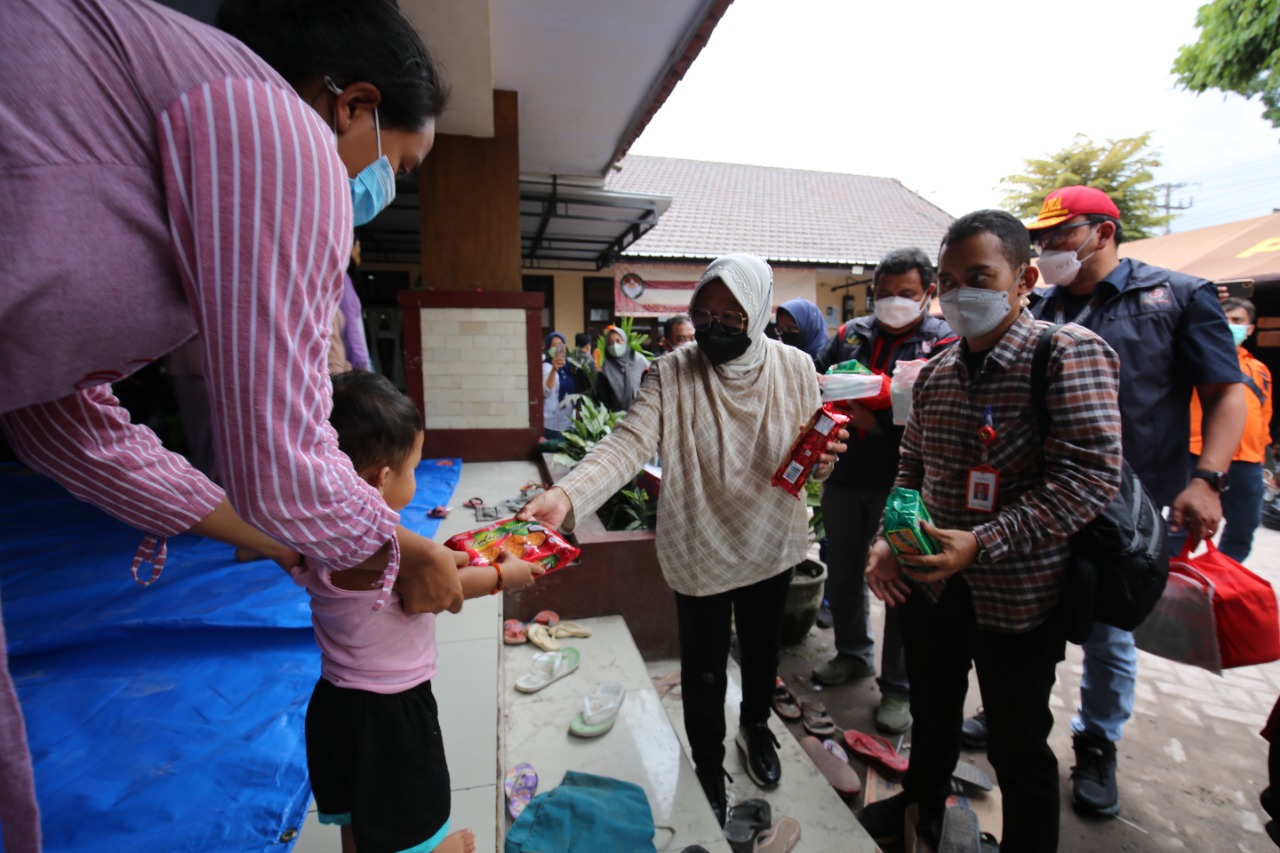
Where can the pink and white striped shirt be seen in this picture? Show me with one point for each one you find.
(162, 181)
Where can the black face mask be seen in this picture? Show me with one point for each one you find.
(793, 339)
(719, 346)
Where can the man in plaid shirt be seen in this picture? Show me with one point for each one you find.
(1004, 500)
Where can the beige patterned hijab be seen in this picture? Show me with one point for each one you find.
(750, 280)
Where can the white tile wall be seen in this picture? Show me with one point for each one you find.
(475, 373)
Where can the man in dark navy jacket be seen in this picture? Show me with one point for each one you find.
(853, 497)
(1172, 336)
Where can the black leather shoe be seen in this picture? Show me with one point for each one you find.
(973, 731)
(712, 781)
(1093, 779)
(760, 748)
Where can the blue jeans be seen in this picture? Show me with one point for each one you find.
(1241, 510)
(1106, 686)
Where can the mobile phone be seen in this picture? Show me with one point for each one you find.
(1239, 288)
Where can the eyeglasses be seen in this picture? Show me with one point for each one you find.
(786, 330)
(1055, 237)
(732, 322)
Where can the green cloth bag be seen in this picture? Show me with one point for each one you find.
(585, 814)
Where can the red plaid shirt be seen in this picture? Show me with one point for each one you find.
(1042, 498)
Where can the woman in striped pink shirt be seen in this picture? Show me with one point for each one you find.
(162, 180)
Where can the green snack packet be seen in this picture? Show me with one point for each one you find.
(851, 366)
(903, 512)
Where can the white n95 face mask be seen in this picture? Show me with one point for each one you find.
(897, 311)
(972, 312)
(1060, 266)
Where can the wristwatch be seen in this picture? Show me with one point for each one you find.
(1218, 479)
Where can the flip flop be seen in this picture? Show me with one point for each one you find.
(783, 838)
(784, 703)
(836, 749)
(971, 776)
(440, 512)
(541, 637)
(599, 710)
(838, 773)
(570, 629)
(513, 633)
(548, 667)
(473, 503)
(547, 617)
(744, 823)
(876, 749)
(960, 831)
(521, 784)
(666, 683)
(817, 721)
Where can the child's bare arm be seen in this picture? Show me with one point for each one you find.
(479, 581)
(225, 525)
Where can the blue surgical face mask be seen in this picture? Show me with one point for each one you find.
(374, 188)
(1239, 333)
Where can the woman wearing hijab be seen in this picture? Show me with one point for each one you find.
(181, 181)
(723, 414)
(558, 382)
(801, 325)
(618, 382)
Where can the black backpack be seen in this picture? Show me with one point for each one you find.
(1120, 560)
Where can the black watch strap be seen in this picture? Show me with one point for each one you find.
(1217, 479)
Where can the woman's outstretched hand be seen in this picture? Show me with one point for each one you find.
(550, 507)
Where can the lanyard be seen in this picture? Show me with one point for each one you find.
(1079, 319)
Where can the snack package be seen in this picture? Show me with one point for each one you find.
(905, 374)
(851, 380)
(823, 426)
(528, 540)
(903, 512)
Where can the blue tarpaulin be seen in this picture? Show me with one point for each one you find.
(168, 718)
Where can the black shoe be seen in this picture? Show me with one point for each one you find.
(825, 619)
(760, 748)
(1093, 779)
(885, 821)
(712, 781)
(973, 731)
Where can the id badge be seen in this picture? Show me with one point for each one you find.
(983, 490)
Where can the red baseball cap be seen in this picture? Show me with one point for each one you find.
(1061, 205)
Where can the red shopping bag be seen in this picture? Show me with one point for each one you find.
(1244, 609)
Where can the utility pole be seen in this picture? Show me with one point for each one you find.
(1169, 207)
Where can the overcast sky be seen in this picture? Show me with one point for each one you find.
(951, 97)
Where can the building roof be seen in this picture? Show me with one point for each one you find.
(783, 215)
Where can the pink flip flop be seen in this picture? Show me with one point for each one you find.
(546, 617)
(521, 784)
(877, 749)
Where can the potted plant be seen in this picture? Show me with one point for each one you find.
(808, 579)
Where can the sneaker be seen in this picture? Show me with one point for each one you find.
(973, 731)
(893, 715)
(1093, 779)
(885, 821)
(840, 669)
(825, 619)
(712, 781)
(759, 747)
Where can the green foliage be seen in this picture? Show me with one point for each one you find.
(1122, 168)
(587, 429)
(1238, 51)
(813, 500)
(634, 339)
(630, 509)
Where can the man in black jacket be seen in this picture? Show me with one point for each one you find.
(853, 498)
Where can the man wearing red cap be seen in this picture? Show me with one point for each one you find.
(1172, 337)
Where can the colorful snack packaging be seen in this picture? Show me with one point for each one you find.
(823, 426)
(851, 380)
(903, 512)
(528, 540)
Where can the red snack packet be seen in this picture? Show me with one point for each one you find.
(529, 540)
(792, 474)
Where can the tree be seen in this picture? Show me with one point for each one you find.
(1122, 168)
(1238, 51)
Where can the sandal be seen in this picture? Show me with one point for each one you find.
(971, 776)
(745, 821)
(666, 683)
(473, 503)
(547, 617)
(836, 749)
(817, 721)
(541, 637)
(784, 703)
(783, 838)
(439, 512)
(548, 667)
(520, 785)
(513, 633)
(838, 773)
(599, 710)
(570, 629)
(876, 749)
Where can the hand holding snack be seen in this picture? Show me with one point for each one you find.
(818, 441)
(957, 549)
(827, 460)
(860, 417)
(550, 507)
(884, 575)
(518, 573)
(527, 540)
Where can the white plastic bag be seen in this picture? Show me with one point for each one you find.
(850, 386)
(904, 379)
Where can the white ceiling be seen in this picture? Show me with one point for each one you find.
(584, 70)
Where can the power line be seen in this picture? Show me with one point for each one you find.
(1169, 207)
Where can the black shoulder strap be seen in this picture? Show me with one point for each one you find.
(1039, 378)
(1253, 386)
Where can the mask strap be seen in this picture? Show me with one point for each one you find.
(333, 87)
(377, 131)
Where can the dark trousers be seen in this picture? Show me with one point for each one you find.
(1015, 675)
(1241, 508)
(704, 656)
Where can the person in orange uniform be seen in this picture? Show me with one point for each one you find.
(1242, 503)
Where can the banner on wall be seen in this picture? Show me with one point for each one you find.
(643, 290)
